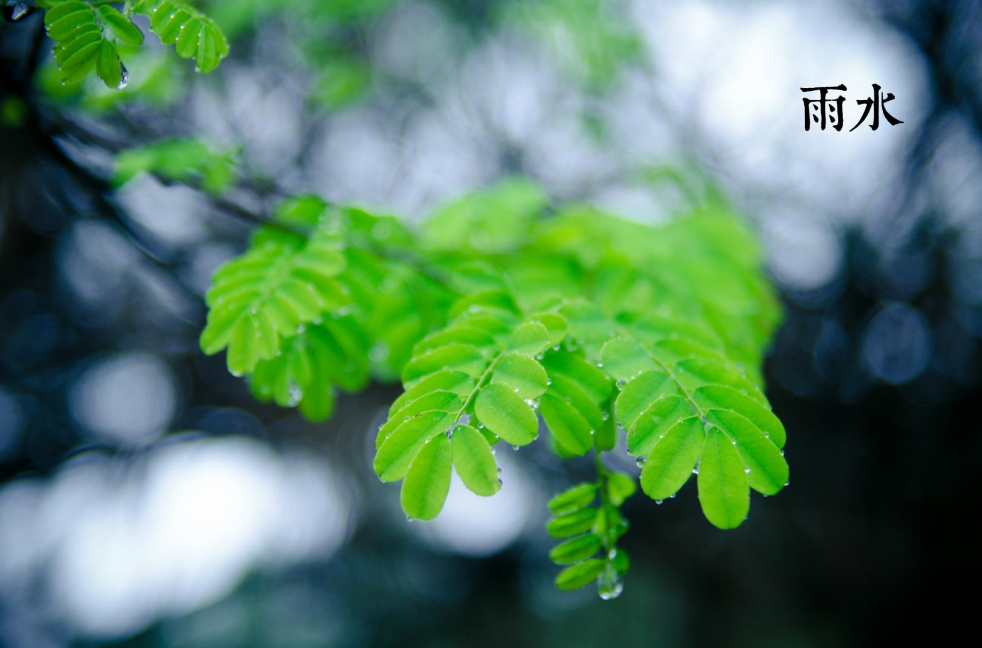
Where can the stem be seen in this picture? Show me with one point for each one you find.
(608, 543)
(667, 371)
(477, 387)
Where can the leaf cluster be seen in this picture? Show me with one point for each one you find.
(89, 34)
(506, 320)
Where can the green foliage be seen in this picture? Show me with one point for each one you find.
(177, 160)
(320, 301)
(589, 530)
(193, 34)
(592, 40)
(88, 35)
(504, 318)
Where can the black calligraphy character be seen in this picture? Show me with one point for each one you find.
(818, 108)
(877, 102)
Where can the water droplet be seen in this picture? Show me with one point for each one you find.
(659, 502)
(641, 461)
(409, 519)
(124, 77)
(295, 394)
(621, 384)
(500, 483)
(605, 415)
(378, 352)
(747, 470)
(515, 447)
(610, 584)
(499, 467)
(19, 11)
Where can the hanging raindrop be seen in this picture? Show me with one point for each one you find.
(610, 584)
(124, 77)
(19, 11)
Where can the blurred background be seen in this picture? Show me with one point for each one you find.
(147, 500)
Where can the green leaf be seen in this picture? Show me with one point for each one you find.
(576, 549)
(456, 382)
(621, 561)
(442, 401)
(624, 359)
(573, 394)
(571, 430)
(531, 338)
(454, 335)
(699, 372)
(573, 499)
(108, 66)
(723, 490)
(522, 374)
(572, 524)
(462, 358)
(589, 378)
(503, 412)
(766, 469)
(474, 461)
(671, 461)
(715, 397)
(120, 25)
(655, 422)
(399, 449)
(620, 487)
(62, 9)
(428, 481)
(555, 324)
(581, 574)
(640, 394)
